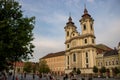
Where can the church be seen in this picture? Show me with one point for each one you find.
(81, 51)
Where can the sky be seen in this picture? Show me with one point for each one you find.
(52, 16)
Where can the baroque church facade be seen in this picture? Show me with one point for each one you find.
(81, 50)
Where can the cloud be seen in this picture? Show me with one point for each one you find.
(51, 17)
(45, 45)
(55, 18)
(109, 33)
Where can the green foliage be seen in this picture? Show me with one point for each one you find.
(95, 69)
(43, 67)
(103, 70)
(15, 34)
(35, 67)
(27, 67)
(78, 71)
(116, 70)
(74, 71)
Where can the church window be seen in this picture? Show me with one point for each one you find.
(85, 41)
(86, 57)
(68, 46)
(74, 57)
(86, 54)
(92, 40)
(73, 34)
(68, 60)
(84, 27)
(67, 33)
(91, 27)
(86, 60)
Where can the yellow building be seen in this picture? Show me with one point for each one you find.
(109, 59)
(56, 62)
(81, 50)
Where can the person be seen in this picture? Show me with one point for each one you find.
(65, 77)
(40, 76)
(33, 76)
(1, 76)
(24, 75)
(16, 78)
(21, 76)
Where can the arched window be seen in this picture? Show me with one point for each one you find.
(68, 60)
(74, 57)
(86, 54)
(67, 33)
(92, 40)
(85, 41)
(67, 45)
(91, 27)
(84, 27)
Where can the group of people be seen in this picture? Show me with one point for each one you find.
(71, 76)
(3, 76)
(25, 76)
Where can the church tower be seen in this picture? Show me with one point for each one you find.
(88, 51)
(87, 28)
(80, 49)
(69, 29)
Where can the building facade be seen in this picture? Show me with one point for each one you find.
(109, 59)
(56, 62)
(81, 50)
(19, 67)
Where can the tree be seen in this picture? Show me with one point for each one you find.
(78, 71)
(35, 67)
(102, 70)
(43, 67)
(95, 69)
(74, 70)
(115, 71)
(27, 67)
(15, 34)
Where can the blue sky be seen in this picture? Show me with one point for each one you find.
(52, 15)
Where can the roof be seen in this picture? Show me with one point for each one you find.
(103, 47)
(111, 52)
(61, 53)
(19, 64)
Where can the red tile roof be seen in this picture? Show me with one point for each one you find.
(54, 54)
(19, 64)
